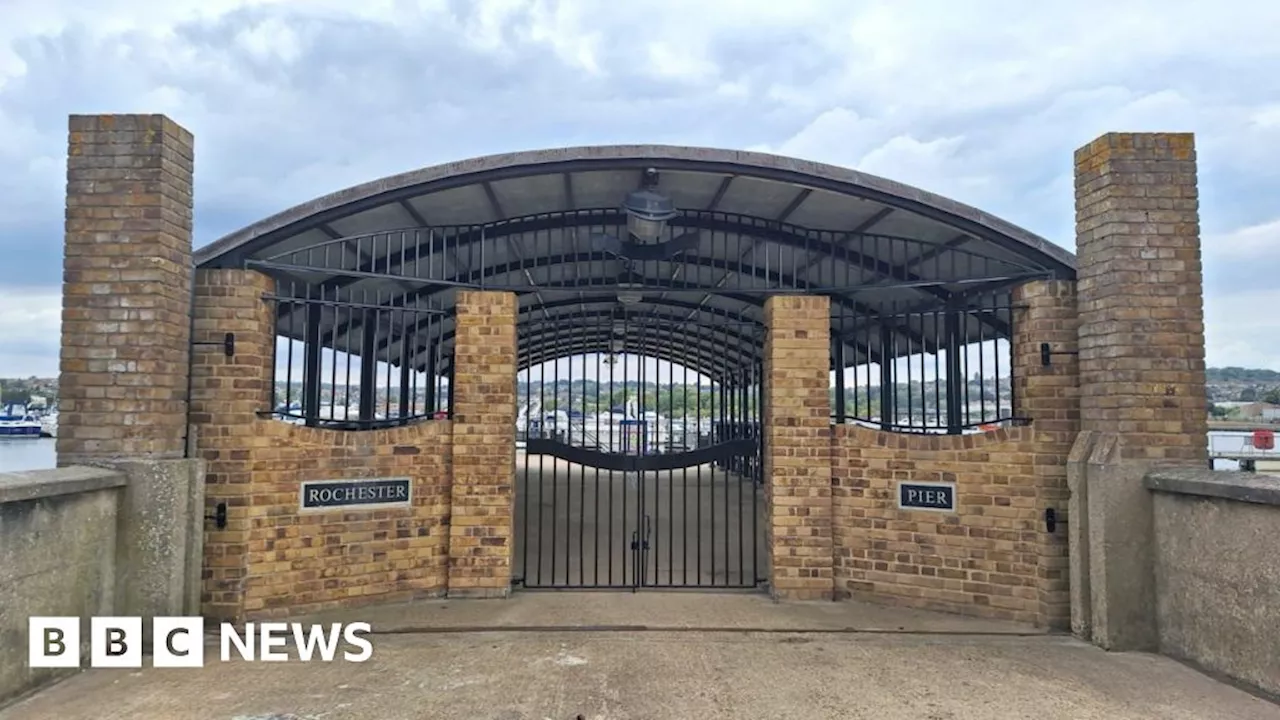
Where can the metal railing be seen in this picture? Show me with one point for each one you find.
(345, 360)
(934, 370)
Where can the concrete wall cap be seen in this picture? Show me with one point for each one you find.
(1242, 487)
(36, 484)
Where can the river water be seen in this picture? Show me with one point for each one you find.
(30, 454)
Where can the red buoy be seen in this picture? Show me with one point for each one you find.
(1264, 439)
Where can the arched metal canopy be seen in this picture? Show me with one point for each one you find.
(547, 225)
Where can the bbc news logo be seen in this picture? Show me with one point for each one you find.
(54, 642)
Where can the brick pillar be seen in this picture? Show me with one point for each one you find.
(226, 395)
(1142, 378)
(126, 296)
(484, 442)
(797, 446)
(1050, 398)
(1141, 295)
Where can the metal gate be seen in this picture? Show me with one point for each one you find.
(638, 461)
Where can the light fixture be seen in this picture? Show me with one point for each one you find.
(647, 213)
(629, 298)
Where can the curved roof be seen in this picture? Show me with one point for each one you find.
(763, 222)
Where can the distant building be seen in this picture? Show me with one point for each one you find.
(1258, 411)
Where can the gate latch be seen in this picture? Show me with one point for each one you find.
(219, 516)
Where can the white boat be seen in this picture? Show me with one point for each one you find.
(49, 425)
(23, 425)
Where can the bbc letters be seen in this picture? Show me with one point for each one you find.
(181, 642)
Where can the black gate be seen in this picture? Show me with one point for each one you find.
(639, 458)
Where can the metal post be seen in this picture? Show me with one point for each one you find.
(840, 401)
(311, 365)
(405, 373)
(430, 389)
(888, 387)
(955, 370)
(368, 365)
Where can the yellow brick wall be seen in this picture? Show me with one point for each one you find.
(1141, 297)
(484, 441)
(797, 446)
(981, 560)
(126, 290)
(272, 560)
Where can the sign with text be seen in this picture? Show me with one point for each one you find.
(927, 496)
(366, 494)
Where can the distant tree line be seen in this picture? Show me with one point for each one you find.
(1241, 375)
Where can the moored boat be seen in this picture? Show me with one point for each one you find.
(19, 426)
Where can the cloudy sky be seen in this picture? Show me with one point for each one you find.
(983, 101)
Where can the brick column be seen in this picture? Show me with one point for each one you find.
(1142, 379)
(484, 441)
(126, 289)
(226, 395)
(1141, 295)
(1050, 398)
(797, 446)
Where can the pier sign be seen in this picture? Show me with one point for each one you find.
(364, 494)
(927, 496)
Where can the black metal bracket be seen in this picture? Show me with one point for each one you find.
(1046, 352)
(1051, 521)
(219, 516)
(228, 344)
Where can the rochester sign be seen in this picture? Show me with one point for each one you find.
(372, 493)
(927, 496)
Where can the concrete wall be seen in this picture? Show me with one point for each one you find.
(81, 541)
(1217, 571)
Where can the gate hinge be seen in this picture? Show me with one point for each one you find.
(228, 344)
(219, 516)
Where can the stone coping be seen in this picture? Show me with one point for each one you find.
(1242, 487)
(36, 484)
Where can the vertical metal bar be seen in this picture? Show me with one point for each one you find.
(1013, 386)
(595, 525)
(954, 371)
(406, 378)
(888, 413)
(391, 318)
(671, 474)
(937, 369)
(963, 313)
(613, 427)
(759, 460)
(643, 477)
(982, 365)
(697, 482)
(542, 473)
(911, 404)
(840, 365)
(523, 470)
(684, 471)
(311, 361)
(554, 359)
(446, 383)
(368, 365)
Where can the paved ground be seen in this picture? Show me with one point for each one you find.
(763, 660)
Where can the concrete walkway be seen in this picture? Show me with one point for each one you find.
(651, 655)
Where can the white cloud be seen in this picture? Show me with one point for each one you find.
(981, 101)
